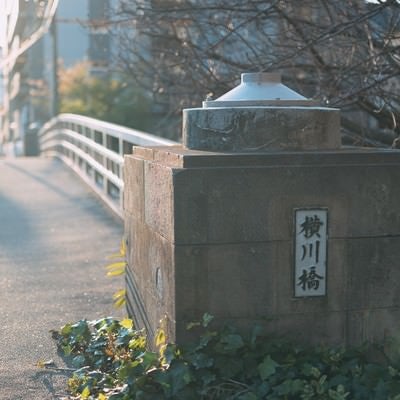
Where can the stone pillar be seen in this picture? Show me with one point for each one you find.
(262, 218)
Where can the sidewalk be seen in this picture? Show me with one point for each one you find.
(54, 240)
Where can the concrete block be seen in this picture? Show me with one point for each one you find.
(158, 194)
(214, 234)
(228, 281)
(261, 128)
(134, 186)
(373, 273)
(375, 325)
(151, 276)
(190, 196)
(313, 328)
(256, 203)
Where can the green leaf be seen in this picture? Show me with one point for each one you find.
(122, 248)
(207, 318)
(45, 364)
(149, 359)
(122, 251)
(161, 338)
(201, 360)
(116, 265)
(67, 349)
(248, 396)
(85, 393)
(66, 329)
(138, 343)
(130, 369)
(231, 342)
(206, 339)
(78, 361)
(120, 302)
(221, 364)
(127, 323)
(170, 353)
(117, 396)
(290, 387)
(116, 269)
(229, 367)
(255, 333)
(338, 394)
(80, 330)
(192, 325)
(267, 367)
(180, 376)
(119, 298)
(207, 377)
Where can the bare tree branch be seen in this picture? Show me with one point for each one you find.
(344, 54)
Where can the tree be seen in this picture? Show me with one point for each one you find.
(343, 54)
(107, 98)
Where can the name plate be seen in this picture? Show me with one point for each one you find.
(310, 250)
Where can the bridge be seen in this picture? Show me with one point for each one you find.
(56, 232)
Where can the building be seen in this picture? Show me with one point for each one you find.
(99, 51)
(29, 83)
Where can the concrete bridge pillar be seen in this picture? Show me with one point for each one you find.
(261, 217)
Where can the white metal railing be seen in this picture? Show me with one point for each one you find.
(94, 149)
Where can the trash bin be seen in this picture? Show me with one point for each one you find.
(31, 143)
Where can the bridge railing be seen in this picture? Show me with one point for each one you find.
(94, 149)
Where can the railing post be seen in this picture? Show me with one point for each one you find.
(72, 138)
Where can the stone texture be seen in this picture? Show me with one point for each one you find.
(313, 328)
(220, 233)
(373, 325)
(134, 186)
(221, 199)
(158, 195)
(261, 128)
(373, 278)
(150, 277)
(180, 157)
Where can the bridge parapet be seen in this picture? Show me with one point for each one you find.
(94, 149)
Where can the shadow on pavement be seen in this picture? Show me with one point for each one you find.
(55, 382)
(15, 225)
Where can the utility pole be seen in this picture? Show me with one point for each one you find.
(8, 21)
(55, 97)
(5, 118)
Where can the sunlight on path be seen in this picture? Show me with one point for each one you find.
(54, 240)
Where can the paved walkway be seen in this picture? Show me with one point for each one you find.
(54, 239)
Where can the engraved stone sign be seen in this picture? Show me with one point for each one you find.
(310, 242)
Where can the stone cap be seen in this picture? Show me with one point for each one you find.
(258, 129)
(260, 89)
(180, 157)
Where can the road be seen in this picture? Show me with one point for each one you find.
(55, 236)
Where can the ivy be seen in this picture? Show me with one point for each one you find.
(118, 268)
(112, 362)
